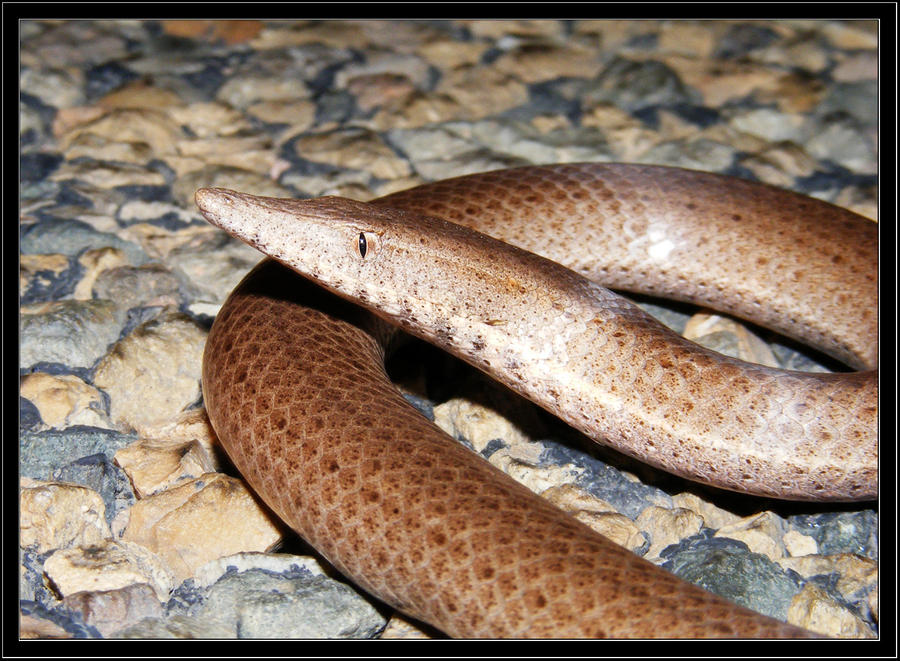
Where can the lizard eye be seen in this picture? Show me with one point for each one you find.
(366, 244)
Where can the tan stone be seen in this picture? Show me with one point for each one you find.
(105, 176)
(686, 38)
(400, 628)
(729, 337)
(857, 66)
(255, 154)
(797, 544)
(95, 262)
(111, 610)
(813, 609)
(713, 517)
(340, 34)
(627, 136)
(857, 574)
(419, 109)
(57, 515)
(534, 63)
(597, 514)
(156, 465)
(519, 463)
(154, 372)
(667, 526)
(203, 519)
(571, 498)
(467, 85)
(447, 54)
(107, 565)
(88, 145)
(206, 120)
(616, 527)
(188, 426)
(141, 95)
(793, 93)
(300, 115)
(31, 266)
(761, 532)
(353, 148)
(720, 81)
(373, 90)
(855, 35)
(277, 563)
(64, 400)
(35, 627)
(143, 125)
(476, 423)
(495, 29)
(68, 118)
(780, 165)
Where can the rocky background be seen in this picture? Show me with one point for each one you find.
(132, 522)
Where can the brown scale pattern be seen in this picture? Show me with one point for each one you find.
(408, 514)
(303, 406)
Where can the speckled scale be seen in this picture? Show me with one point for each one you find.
(408, 514)
(437, 532)
(672, 233)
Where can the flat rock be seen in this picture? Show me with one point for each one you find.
(54, 515)
(154, 372)
(107, 565)
(200, 520)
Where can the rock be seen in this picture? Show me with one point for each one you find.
(139, 286)
(141, 95)
(353, 148)
(107, 565)
(633, 85)
(761, 532)
(667, 526)
(728, 568)
(478, 424)
(813, 609)
(72, 237)
(43, 453)
(154, 466)
(398, 627)
(713, 517)
(59, 516)
(96, 262)
(178, 626)
(728, 337)
(598, 515)
(64, 400)
(205, 120)
(111, 610)
(141, 125)
(537, 61)
(189, 426)
(71, 333)
(797, 544)
(154, 372)
(97, 472)
(45, 277)
(854, 576)
(35, 627)
(200, 520)
(259, 604)
(275, 563)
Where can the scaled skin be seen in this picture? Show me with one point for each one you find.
(436, 531)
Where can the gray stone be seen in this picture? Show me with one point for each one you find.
(260, 604)
(71, 333)
(728, 568)
(40, 454)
